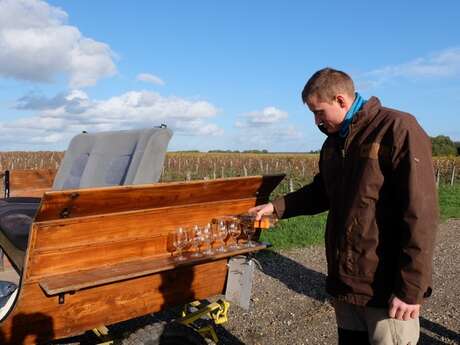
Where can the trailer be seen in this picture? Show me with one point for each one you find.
(89, 257)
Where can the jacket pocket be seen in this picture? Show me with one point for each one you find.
(359, 256)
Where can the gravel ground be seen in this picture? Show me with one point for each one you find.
(289, 305)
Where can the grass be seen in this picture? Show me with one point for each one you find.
(449, 201)
(309, 230)
(297, 232)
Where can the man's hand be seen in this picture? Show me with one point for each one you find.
(265, 209)
(402, 311)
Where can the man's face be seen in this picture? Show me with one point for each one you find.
(328, 116)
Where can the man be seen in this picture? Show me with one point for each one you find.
(376, 179)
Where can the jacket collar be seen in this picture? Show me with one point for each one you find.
(367, 113)
(362, 118)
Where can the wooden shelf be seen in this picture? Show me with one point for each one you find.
(74, 281)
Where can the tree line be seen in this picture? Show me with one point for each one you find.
(442, 145)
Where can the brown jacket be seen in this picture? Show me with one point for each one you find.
(379, 188)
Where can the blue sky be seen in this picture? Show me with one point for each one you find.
(222, 75)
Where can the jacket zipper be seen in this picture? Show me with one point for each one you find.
(343, 152)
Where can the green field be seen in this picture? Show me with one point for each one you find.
(306, 231)
(449, 201)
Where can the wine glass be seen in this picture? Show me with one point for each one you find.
(221, 233)
(196, 240)
(208, 238)
(180, 241)
(234, 231)
(249, 231)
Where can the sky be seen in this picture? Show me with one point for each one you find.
(222, 75)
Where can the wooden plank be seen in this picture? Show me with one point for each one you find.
(93, 201)
(35, 192)
(74, 281)
(74, 259)
(40, 318)
(125, 226)
(31, 182)
(75, 244)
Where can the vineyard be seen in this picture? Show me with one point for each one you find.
(299, 168)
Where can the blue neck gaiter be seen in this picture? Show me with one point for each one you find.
(355, 107)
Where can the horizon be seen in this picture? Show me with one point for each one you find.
(222, 76)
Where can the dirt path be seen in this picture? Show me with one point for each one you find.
(289, 305)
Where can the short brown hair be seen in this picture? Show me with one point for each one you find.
(327, 83)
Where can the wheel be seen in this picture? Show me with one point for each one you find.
(163, 333)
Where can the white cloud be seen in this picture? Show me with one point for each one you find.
(58, 118)
(198, 127)
(75, 101)
(270, 138)
(37, 45)
(265, 129)
(150, 78)
(264, 117)
(443, 64)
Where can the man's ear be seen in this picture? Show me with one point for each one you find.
(341, 101)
